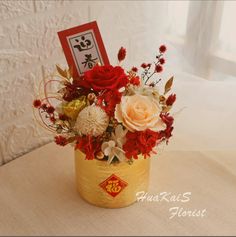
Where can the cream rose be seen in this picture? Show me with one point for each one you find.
(138, 113)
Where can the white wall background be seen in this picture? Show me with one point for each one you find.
(29, 49)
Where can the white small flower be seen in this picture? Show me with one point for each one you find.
(143, 90)
(92, 120)
(119, 135)
(113, 148)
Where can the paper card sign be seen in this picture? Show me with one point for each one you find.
(83, 47)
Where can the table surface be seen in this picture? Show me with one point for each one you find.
(40, 198)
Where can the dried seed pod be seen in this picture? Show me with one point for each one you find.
(91, 97)
(162, 99)
(100, 155)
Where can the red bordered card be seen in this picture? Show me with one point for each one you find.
(83, 47)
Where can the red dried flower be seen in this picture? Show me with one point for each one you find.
(50, 109)
(168, 120)
(140, 142)
(89, 146)
(135, 81)
(149, 65)
(158, 68)
(168, 132)
(144, 65)
(121, 54)
(60, 140)
(162, 48)
(108, 101)
(162, 61)
(75, 89)
(63, 117)
(37, 103)
(134, 69)
(171, 99)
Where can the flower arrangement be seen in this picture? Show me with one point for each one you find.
(107, 113)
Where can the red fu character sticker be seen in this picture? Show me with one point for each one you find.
(113, 185)
(83, 47)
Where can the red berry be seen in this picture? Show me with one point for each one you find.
(50, 109)
(144, 65)
(159, 68)
(134, 69)
(162, 61)
(37, 103)
(162, 48)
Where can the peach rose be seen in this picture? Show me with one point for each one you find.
(138, 113)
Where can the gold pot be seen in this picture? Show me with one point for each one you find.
(110, 186)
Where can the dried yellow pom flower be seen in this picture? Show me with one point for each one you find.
(72, 108)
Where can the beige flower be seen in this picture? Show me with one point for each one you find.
(92, 120)
(138, 113)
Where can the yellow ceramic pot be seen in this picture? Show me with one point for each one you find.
(110, 186)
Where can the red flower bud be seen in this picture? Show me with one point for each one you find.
(121, 54)
(162, 48)
(149, 65)
(171, 99)
(159, 68)
(37, 103)
(162, 61)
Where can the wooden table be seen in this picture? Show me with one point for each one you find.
(38, 197)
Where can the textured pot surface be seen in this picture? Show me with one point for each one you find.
(111, 186)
